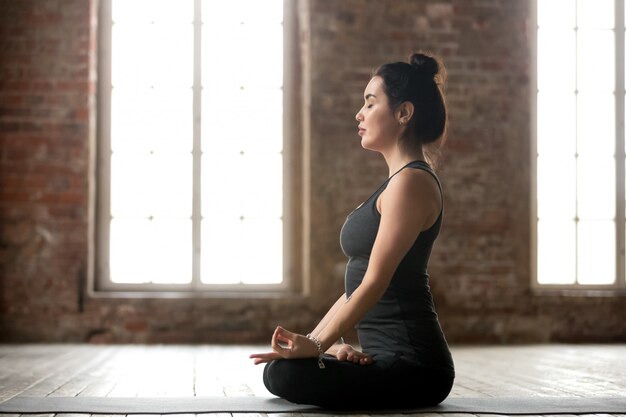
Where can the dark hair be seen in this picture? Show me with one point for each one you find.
(419, 81)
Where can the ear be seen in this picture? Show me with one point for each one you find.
(404, 112)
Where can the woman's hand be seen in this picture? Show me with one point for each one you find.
(287, 345)
(346, 352)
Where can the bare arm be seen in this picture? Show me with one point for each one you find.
(291, 339)
(329, 315)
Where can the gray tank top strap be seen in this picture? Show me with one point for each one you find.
(424, 167)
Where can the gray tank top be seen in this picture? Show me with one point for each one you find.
(403, 324)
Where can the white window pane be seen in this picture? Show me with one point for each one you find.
(151, 184)
(242, 183)
(131, 54)
(596, 14)
(596, 124)
(152, 42)
(596, 60)
(130, 11)
(130, 184)
(252, 57)
(130, 257)
(222, 254)
(222, 180)
(556, 13)
(556, 130)
(171, 185)
(172, 55)
(144, 250)
(596, 252)
(596, 188)
(130, 119)
(556, 187)
(556, 252)
(151, 119)
(262, 244)
(556, 60)
(172, 11)
(237, 11)
(152, 54)
(263, 188)
(170, 257)
(237, 119)
(171, 119)
(147, 11)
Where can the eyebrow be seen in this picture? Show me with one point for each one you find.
(369, 95)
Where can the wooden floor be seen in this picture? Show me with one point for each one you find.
(178, 371)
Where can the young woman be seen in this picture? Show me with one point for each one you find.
(405, 360)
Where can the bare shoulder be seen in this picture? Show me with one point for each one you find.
(415, 184)
(415, 190)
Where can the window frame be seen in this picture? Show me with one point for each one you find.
(99, 283)
(619, 286)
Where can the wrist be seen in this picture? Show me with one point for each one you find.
(320, 350)
(317, 343)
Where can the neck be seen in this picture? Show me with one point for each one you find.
(396, 158)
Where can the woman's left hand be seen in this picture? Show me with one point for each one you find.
(287, 345)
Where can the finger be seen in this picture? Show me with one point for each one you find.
(277, 347)
(274, 337)
(342, 355)
(259, 361)
(276, 331)
(286, 334)
(282, 335)
(264, 357)
(282, 338)
(366, 360)
(271, 356)
(259, 355)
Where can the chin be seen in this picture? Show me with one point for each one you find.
(368, 145)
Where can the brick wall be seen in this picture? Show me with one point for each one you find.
(480, 266)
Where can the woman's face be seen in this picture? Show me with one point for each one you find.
(378, 127)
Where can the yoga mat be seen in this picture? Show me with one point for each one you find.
(187, 405)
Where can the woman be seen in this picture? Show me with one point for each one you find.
(405, 360)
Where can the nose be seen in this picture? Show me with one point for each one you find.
(359, 116)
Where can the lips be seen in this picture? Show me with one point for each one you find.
(361, 130)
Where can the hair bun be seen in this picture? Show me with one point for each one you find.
(424, 64)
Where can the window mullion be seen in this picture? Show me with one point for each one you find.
(533, 148)
(577, 155)
(103, 226)
(619, 143)
(196, 215)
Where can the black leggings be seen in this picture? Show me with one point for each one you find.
(343, 385)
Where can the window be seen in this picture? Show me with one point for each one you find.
(579, 228)
(190, 146)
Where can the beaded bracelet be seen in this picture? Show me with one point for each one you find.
(318, 344)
